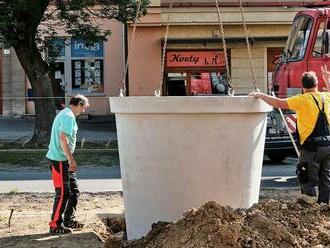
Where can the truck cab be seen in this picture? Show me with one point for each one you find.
(307, 49)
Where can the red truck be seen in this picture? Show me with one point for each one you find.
(307, 48)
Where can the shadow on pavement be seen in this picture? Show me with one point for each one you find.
(287, 161)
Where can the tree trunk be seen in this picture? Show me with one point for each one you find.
(37, 71)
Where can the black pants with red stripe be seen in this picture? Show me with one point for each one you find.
(66, 193)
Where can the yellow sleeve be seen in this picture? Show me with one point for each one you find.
(294, 102)
(327, 96)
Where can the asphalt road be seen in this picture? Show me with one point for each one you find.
(94, 179)
(279, 175)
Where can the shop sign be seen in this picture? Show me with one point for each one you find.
(195, 59)
(80, 49)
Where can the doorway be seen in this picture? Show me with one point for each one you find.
(176, 84)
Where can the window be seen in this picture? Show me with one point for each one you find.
(298, 38)
(83, 67)
(196, 83)
(87, 75)
(317, 51)
(321, 46)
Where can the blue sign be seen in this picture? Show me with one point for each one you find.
(80, 49)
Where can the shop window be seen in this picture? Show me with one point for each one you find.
(195, 73)
(200, 84)
(87, 70)
(196, 83)
(87, 75)
(59, 73)
(80, 63)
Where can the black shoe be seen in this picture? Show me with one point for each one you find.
(59, 230)
(73, 224)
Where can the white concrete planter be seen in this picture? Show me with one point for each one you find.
(180, 152)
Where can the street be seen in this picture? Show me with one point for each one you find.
(102, 178)
(279, 175)
(93, 179)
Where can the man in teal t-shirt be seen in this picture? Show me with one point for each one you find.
(64, 122)
(63, 166)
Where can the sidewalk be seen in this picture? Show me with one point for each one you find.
(41, 186)
(91, 185)
(21, 129)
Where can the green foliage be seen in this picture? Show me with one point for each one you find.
(29, 25)
(32, 20)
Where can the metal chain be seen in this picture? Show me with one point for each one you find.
(158, 91)
(123, 90)
(228, 77)
(248, 46)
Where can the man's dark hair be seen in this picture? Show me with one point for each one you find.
(79, 100)
(309, 80)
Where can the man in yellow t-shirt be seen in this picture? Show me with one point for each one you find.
(313, 117)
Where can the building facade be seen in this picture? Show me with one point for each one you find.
(194, 54)
(194, 51)
(13, 85)
(95, 71)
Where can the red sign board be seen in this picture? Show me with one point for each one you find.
(195, 59)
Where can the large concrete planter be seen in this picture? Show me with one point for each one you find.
(180, 152)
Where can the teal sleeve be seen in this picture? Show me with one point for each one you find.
(67, 125)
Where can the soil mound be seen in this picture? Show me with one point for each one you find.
(271, 223)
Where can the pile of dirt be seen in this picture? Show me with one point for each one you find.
(270, 223)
